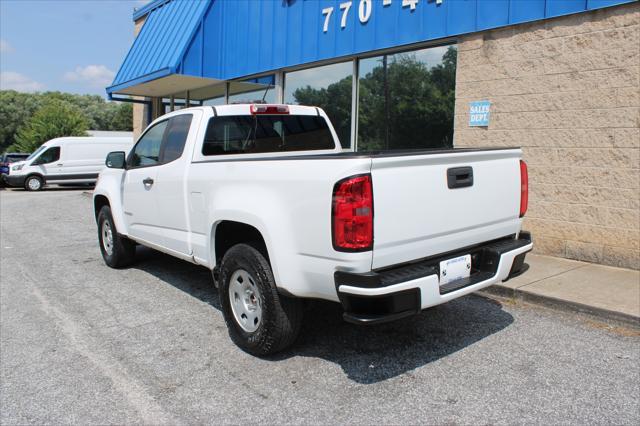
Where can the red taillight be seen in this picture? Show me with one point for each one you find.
(269, 109)
(524, 188)
(353, 214)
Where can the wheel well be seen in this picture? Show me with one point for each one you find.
(98, 203)
(229, 233)
(34, 174)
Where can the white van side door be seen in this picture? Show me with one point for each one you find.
(83, 159)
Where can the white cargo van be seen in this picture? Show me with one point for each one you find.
(68, 160)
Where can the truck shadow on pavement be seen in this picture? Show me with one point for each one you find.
(367, 354)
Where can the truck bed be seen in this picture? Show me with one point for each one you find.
(359, 154)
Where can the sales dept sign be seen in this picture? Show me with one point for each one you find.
(479, 113)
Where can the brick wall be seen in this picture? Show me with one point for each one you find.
(568, 91)
(139, 113)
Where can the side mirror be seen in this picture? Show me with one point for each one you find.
(115, 160)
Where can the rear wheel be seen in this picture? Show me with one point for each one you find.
(33, 183)
(260, 321)
(116, 250)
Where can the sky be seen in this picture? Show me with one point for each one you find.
(67, 45)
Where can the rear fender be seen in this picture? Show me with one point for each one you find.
(246, 218)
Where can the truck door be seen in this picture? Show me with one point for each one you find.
(171, 182)
(139, 189)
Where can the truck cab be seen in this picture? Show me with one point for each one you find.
(265, 197)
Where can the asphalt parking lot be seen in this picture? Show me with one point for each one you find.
(82, 343)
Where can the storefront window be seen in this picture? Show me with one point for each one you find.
(214, 101)
(178, 104)
(328, 87)
(209, 95)
(253, 90)
(406, 100)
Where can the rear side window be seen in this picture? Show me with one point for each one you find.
(249, 134)
(176, 137)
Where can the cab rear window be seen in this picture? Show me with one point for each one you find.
(249, 134)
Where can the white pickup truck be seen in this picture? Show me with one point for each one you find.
(265, 197)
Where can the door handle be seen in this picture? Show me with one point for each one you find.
(459, 177)
(148, 182)
(59, 164)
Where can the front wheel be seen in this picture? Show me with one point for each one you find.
(117, 251)
(33, 183)
(260, 321)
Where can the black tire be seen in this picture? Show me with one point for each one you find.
(37, 185)
(123, 250)
(281, 316)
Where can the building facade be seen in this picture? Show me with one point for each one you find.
(561, 78)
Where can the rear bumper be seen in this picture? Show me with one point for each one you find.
(397, 292)
(13, 180)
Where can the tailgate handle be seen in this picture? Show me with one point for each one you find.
(459, 177)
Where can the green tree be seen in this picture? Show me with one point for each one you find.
(335, 100)
(17, 108)
(101, 115)
(418, 110)
(55, 119)
(122, 117)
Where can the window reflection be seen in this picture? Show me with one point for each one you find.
(406, 100)
(214, 101)
(328, 87)
(253, 90)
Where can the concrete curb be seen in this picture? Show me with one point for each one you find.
(562, 305)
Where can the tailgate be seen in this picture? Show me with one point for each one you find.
(417, 215)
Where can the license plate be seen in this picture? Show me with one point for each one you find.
(455, 269)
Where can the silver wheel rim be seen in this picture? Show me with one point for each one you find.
(245, 300)
(107, 237)
(34, 184)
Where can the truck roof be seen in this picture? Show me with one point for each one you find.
(245, 109)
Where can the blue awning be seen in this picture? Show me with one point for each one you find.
(153, 63)
(191, 45)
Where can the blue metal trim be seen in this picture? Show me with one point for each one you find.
(129, 100)
(142, 79)
(232, 39)
(167, 34)
(598, 4)
(196, 32)
(147, 8)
